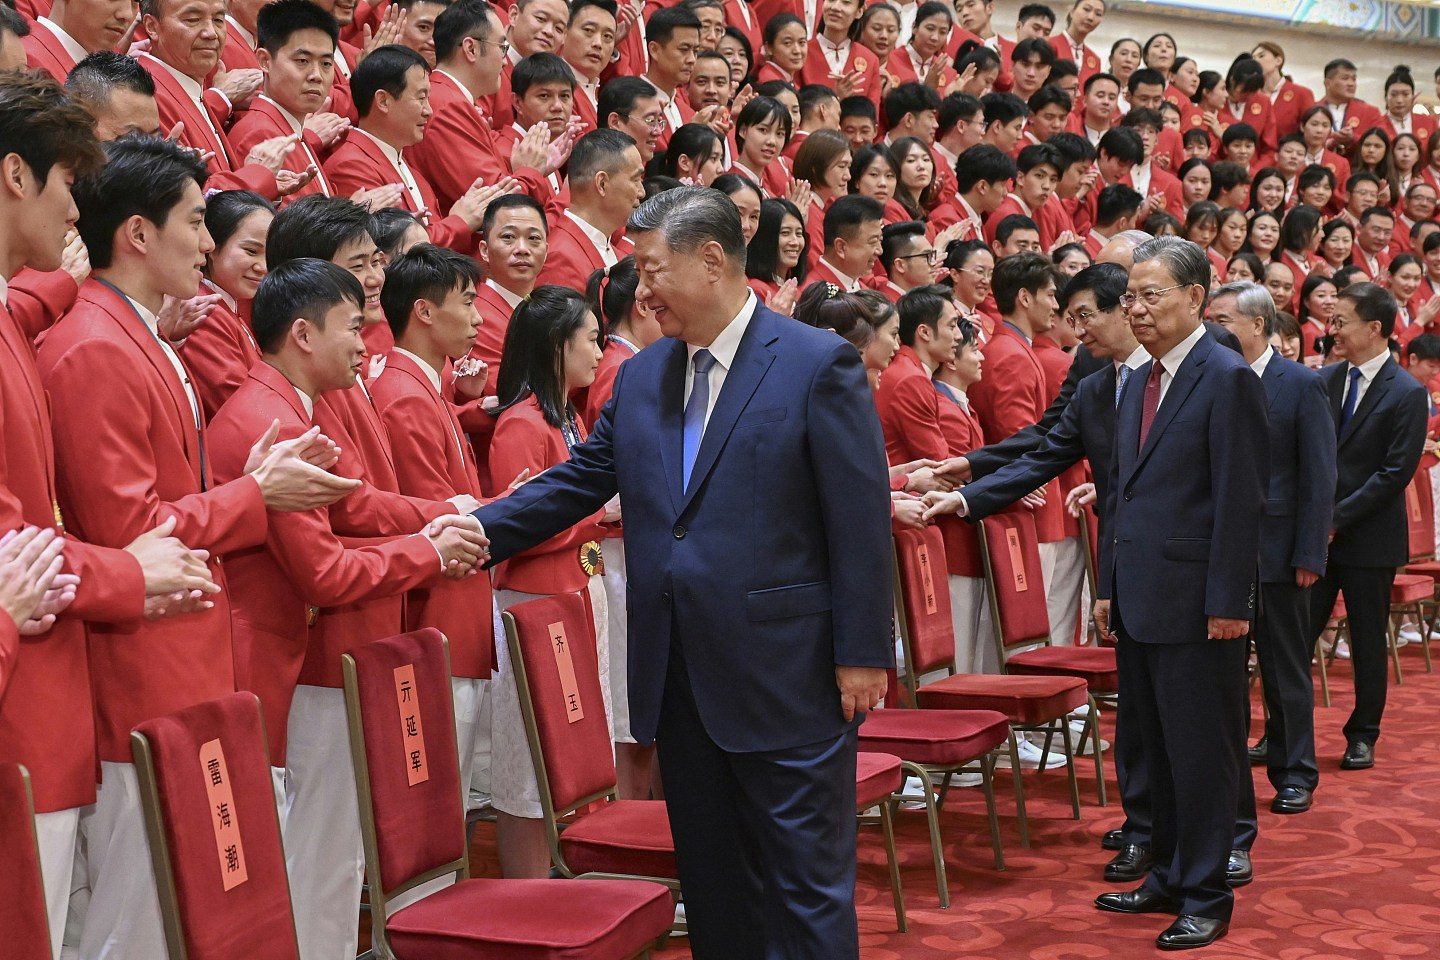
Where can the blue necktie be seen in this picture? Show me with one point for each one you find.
(1121, 377)
(1348, 411)
(695, 409)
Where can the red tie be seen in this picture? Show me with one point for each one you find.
(1152, 400)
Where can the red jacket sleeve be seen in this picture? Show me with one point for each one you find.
(910, 422)
(37, 299)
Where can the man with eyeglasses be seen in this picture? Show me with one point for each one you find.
(632, 106)
(908, 257)
(536, 26)
(1380, 415)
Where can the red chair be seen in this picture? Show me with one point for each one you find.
(1016, 588)
(928, 633)
(27, 925)
(878, 779)
(1408, 595)
(412, 818)
(209, 803)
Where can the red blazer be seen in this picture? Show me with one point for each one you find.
(433, 461)
(1291, 100)
(572, 257)
(459, 146)
(901, 68)
(1053, 220)
(1009, 206)
(615, 354)
(358, 164)
(47, 719)
(497, 106)
(129, 456)
(495, 316)
(1360, 116)
(38, 299)
(237, 54)
(743, 16)
(524, 441)
(763, 10)
(861, 59)
(227, 167)
(1259, 115)
(582, 108)
(1090, 61)
(302, 562)
(1167, 185)
(1380, 272)
(44, 52)
(33, 10)
(821, 273)
(950, 212)
(219, 354)
(1422, 125)
(263, 121)
(1056, 363)
(962, 433)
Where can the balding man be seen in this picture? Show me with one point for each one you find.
(760, 802)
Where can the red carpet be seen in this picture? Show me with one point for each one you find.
(1356, 877)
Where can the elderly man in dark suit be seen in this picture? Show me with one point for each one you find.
(1176, 585)
(1380, 417)
(749, 461)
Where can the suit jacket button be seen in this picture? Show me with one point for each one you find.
(665, 597)
(679, 532)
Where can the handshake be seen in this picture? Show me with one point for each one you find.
(461, 543)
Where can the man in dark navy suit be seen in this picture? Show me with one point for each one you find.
(1293, 538)
(749, 460)
(1380, 417)
(1176, 582)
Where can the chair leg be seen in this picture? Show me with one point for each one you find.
(932, 814)
(1093, 721)
(944, 789)
(1070, 765)
(1019, 792)
(987, 771)
(887, 824)
(1424, 629)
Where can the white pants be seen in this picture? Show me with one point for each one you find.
(974, 637)
(614, 582)
(1063, 565)
(475, 772)
(324, 855)
(123, 919)
(56, 833)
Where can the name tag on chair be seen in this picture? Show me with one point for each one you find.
(565, 668)
(1017, 561)
(412, 730)
(223, 817)
(927, 579)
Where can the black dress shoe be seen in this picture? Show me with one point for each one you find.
(1291, 800)
(1238, 871)
(1259, 753)
(1140, 900)
(1113, 840)
(1358, 756)
(1131, 863)
(1187, 932)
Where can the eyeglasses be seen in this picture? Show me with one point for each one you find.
(981, 275)
(1337, 324)
(504, 45)
(1151, 297)
(1077, 320)
(932, 257)
(655, 123)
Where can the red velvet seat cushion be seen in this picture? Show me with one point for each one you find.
(1424, 568)
(1410, 588)
(942, 738)
(626, 836)
(1023, 700)
(877, 775)
(1095, 665)
(533, 920)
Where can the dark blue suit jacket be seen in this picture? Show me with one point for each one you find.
(773, 567)
(1377, 456)
(1185, 511)
(1296, 527)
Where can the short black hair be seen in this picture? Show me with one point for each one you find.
(424, 272)
(665, 21)
(906, 98)
(1107, 281)
(506, 202)
(1039, 155)
(1245, 75)
(811, 96)
(619, 96)
(1339, 63)
(609, 6)
(1227, 175)
(1365, 176)
(1036, 11)
(143, 176)
(1143, 117)
(760, 110)
(1300, 223)
(389, 226)
(99, 74)
(467, 18)
(1372, 212)
(534, 343)
(385, 68)
(1073, 147)
(1123, 144)
(1023, 271)
(859, 106)
(596, 151)
(1313, 176)
(1033, 47)
(1373, 304)
(315, 226)
(1003, 108)
(1007, 226)
(540, 67)
(983, 162)
(1095, 78)
(280, 20)
(762, 255)
(922, 305)
(846, 214)
(306, 287)
(1117, 201)
(931, 8)
(1047, 96)
(897, 238)
(1062, 69)
(1424, 347)
(1239, 131)
(1145, 77)
(226, 210)
(1196, 136)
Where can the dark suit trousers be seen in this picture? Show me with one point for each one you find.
(1367, 605)
(1189, 701)
(1131, 774)
(1284, 646)
(765, 841)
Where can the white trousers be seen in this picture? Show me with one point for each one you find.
(123, 919)
(974, 639)
(57, 833)
(614, 582)
(1063, 565)
(324, 856)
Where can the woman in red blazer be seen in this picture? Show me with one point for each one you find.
(777, 253)
(837, 59)
(761, 132)
(783, 50)
(552, 348)
(222, 350)
(874, 174)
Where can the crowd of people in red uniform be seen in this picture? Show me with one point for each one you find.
(458, 176)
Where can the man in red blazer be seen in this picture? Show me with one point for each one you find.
(241, 43)
(543, 97)
(672, 39)
(74, 28)
(47, 719)
(460, 146)
(535, 26)
(589, 45)
(130, 450)
(373, 154)
(606, 186)
(853, 229)
(513, 248)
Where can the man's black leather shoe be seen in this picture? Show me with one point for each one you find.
(1291, 800)
(1139, 900)
(1186, 933)
(1259, 753)
(1238, 871)
(1113, 840)
(1358, 756)
(1131, 863)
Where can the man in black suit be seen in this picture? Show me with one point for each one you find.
(1379, 412)
(1177, 583)
(1293, 537)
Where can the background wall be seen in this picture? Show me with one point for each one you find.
(1214, 44)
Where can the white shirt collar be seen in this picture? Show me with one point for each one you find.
(470, 97)
(512, 299)
(70, 44)
(295, 125)
(727, 341)
(391, 153)
(969, 210)
(961, 397)
(228, 300)
(1172, 360)
(602, 242)
(946, 155)
(430, 372)
(305, 402)
(848, 282)
(1137, 359)
(192, 89)
(1263, 361)
(245, 35)
(1371, 367)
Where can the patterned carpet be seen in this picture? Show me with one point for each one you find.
(1356, 877)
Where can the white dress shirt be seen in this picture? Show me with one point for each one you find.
(4, 293)
(68, 42)
(195, 92)
(296, 126)
(601, 242)
(836, 54)
(245, 35)
(1368, 371)
(907, 20)
(1262, 361)
(723, 349)
(153, 324)
(847, 282)
(306, 402)
(433, 376)
(1170, 363)
(512, 300)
